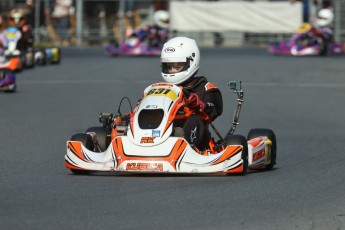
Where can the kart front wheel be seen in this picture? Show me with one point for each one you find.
(87, 142)
(240, 140)
(101, 134)
(253, 133)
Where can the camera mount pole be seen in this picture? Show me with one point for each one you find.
(237, 88)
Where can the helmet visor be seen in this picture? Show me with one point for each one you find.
(16, 20)
(174, 67)
(321, 17)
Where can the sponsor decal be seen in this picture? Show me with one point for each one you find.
(156, 133)
(145, 166)
(259, 154)
(11, 35)
(169, 50)
(193, 134)
(147, 140)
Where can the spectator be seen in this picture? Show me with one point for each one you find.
(1, 23)
(218, 37)
(61, 14)
(112, 20)
(306, 9)
(132, 16)
(318, 4)
(1, 36)
(160, 5)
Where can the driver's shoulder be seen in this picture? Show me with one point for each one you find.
(207, 85)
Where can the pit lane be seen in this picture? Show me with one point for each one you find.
(301, 99)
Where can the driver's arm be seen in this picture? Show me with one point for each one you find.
(213, 103)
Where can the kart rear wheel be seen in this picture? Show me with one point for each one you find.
(101, 134)
(323, 48)
(11, 90)
(87, 142)
(240, 140)
(56, 59)
(253, 133)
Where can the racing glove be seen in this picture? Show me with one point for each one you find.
(194, 102)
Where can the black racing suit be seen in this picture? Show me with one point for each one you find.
(195, 128)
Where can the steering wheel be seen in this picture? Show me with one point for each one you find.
(187, 111)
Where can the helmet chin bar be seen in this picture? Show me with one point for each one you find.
(191, 78)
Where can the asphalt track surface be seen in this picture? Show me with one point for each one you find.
(301, 99)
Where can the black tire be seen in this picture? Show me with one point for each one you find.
(58, 57)
(43, 59)
(323, 48)
(102, 138)
(87, 142)
(29, 59)
(240, 140)
(11, 90)
(253, 133)
(22, 64)
(4, 74)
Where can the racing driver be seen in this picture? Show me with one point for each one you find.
(180, 62)
(17, 19)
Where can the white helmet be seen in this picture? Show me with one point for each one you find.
(324, 17)
(180, 51)
(161, 18)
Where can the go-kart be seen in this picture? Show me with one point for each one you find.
(30, 57)
(146, 141)
(136, 44)
(301, 44)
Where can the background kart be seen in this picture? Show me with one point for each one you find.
(138, 49)
(145, 141)
(29, 57)
(299, 45)
(137, 44)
